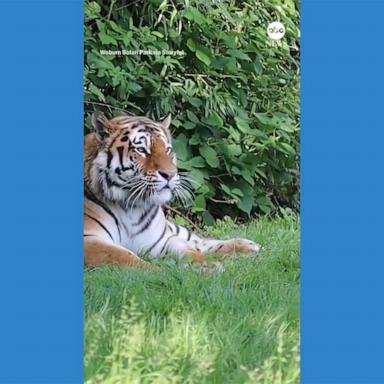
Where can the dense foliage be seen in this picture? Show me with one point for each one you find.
(233, 93)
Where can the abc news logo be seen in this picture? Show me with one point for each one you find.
(276, 30)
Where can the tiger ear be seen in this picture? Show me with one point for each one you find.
(101, 125)
(165, 122)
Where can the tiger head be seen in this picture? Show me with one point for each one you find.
(135, 162)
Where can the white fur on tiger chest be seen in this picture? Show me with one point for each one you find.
(139, 229)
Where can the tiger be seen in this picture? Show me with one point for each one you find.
(130, 174)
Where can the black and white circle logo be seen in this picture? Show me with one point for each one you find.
(276, 30)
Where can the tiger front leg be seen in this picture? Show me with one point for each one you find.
(186, 243)
(184, 248)
(188, 248)
(98, 252)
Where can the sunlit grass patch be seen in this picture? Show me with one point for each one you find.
(178, 326)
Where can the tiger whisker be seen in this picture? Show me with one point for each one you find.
(138, 196)
(137, 190)
(184, 196)
(179, 197)
(187, 189)
(189, 195)
(132, 184)
(189, 180)
(186, 185)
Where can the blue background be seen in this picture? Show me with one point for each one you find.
(41, 274)
(342, 192)
(41, 157)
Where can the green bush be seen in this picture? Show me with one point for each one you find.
(233, 94)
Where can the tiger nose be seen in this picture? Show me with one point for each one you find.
(167, 175)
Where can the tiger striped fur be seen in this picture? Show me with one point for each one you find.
(129, 174)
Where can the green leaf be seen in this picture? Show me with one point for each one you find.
(133, 87)
(195, 101)
(264, 203)
(263, 118)
(231, 150)
(229, 40)
(199, 204)
(219, 62)
(264, 200)
(195, 139)
(246, 174)
(235, 170)
(202, 56)
(226, 189)
(198, 162)
(231, 65)
(163, 5)
(189, 125)
(115, 27)
(208, 218)
(233, 133)
(257, 67)
(99, 62)
(158, 34)
(198, 176)
(195, 15)
(242, 124)
(177, 123)
(107, 40)
(288, 148)
(192, 117)
(216, 119)
(237, 192)
(184, 164)
(127, 38)
(173, 15)
(180, 146)
(239, 54)
(92, 10)
(191, 45)
(210, 156)
(261, 173)
(96, 91)
(204, 189)
(245, 203)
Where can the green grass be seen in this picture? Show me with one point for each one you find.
(179, 326)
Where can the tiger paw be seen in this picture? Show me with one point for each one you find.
(247, 246)
(239, 246)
